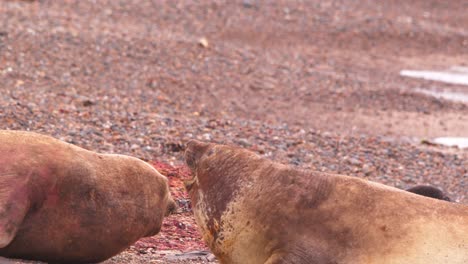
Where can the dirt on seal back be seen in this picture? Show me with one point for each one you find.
(314, 84)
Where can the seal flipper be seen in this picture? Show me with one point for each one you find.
(14, 204)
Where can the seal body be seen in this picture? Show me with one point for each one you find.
(62, 203)
(251, 210)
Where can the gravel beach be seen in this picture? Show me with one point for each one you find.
(313, 84)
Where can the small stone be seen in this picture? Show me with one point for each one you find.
(207, 136)
(203, 42)
(88, 103)
(134, 147)
(211, 257)
(367, 169)
(19, 83)
(248, 3)
(352, 161)
(244, 142)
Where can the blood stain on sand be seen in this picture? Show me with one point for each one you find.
(179, 231)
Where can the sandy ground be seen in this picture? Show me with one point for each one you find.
(314, 84)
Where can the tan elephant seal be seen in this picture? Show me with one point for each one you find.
(251, 210)
(62, 203)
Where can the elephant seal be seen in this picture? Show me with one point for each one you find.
(429, 191)
(64, 204)
(252, 210)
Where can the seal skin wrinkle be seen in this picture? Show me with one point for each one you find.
(253, 211)
(63, 204)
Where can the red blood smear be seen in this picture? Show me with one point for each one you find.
(179, 232)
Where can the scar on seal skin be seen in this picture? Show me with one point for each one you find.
(63, 204)
(429, 191)
(252, 210)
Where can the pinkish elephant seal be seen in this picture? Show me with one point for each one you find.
(64, 204)
(254, 211)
